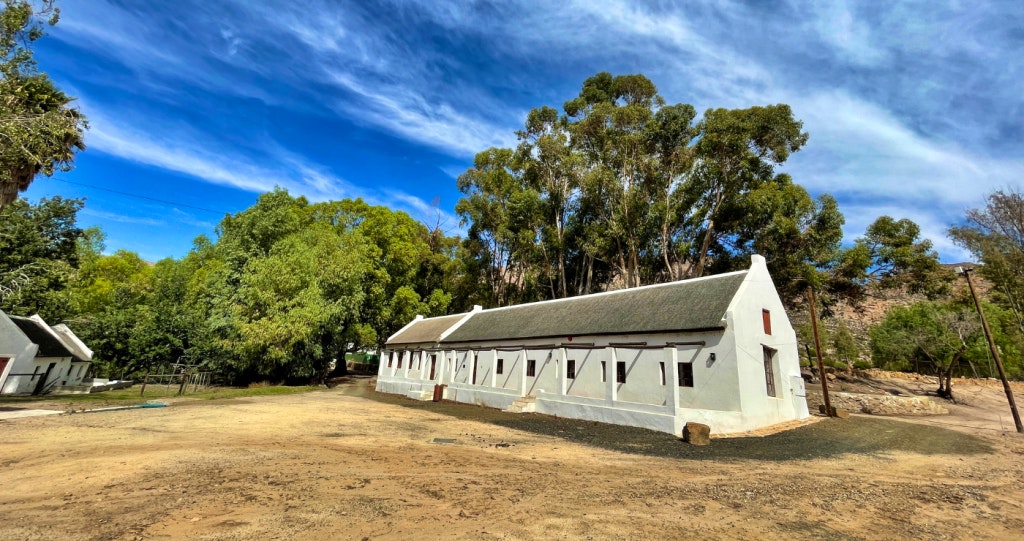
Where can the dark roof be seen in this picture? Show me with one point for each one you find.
(426, 330)
(689, 305)
(38, 333)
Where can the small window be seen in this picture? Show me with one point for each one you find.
(531, 368)
(604, 371)
(766, 319)
(570, 369)
(400, 360)
(686, 374)
(620, 371)
(501, 366)
(769, 370)
(391, 358)
(661, 365)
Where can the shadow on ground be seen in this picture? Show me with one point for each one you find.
(828, 438)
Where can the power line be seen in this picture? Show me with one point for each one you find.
(220, 212)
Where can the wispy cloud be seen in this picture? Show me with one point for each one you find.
(915, 105)
(121, 218)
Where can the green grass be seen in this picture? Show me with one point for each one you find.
(153, 392)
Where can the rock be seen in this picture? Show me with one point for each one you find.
(836, 412)
(697, 434)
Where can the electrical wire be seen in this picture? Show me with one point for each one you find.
(220, 212)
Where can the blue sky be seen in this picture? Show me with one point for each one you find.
(914, 109)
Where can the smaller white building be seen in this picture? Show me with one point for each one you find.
(717, 350)
(35, 358)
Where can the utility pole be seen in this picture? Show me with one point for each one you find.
(966, 272)
(817, 349)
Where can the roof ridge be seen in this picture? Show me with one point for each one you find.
(616, 291)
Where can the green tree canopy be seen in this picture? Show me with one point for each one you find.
(944, 338)
(38, 256)
(995, 236)
(622, 189)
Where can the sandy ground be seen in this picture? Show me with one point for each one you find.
(349, 464)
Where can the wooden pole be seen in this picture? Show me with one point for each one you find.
(995, 354)
(817, 349)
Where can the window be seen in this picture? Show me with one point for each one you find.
(531, 368)
(570, 369)
(501, 366)
(686, 374)
(620, 371)
(400, 360)
(391, 358)
(433, 365)
(769, 371)
(766, 319)
(661, 365)
(604, 371)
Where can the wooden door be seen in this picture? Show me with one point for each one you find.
(3, 366)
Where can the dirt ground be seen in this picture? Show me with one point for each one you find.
(348, 463)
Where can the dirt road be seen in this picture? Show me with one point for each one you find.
(330, 465)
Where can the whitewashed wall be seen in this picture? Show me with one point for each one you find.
(729, 391)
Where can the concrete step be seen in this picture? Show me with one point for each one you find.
(524, 404)
(71, 389)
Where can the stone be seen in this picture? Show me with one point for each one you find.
(697, 434)
(842, 414)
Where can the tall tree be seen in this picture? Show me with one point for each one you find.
(503, 216)
(995, 236)
(737, 151)
(890, 255)
(612, 123)
(39, 130)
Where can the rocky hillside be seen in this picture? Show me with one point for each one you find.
(861, 318)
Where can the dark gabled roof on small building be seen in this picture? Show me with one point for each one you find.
(425, 331)
(38, 333)
(689, 305)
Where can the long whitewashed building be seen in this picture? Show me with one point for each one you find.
(717, 350)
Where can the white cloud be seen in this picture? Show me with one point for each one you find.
(122, 218)
(860, 149)
(837, 24)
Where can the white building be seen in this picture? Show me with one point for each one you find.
(35, 358)
(717, 350)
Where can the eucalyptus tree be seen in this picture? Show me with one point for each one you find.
(612, 121)
(502, 212)
(995, 236)
(553, 168)
(890, 255)
(737, 150)
(39, 130)
(799, 237)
